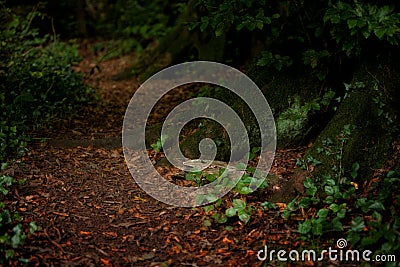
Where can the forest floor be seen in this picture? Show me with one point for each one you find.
(90, 211)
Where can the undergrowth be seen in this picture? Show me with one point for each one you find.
(37, 85)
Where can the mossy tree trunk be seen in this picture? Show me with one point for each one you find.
(358, 130)
(358, 139)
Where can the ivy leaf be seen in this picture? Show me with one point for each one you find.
(32, 227)
(334, 207)
(220, 218)
(312, 191)
(245, 190)
(377, 206)
(351, 23)
(337, 225)
(241, 166)
(322, 213)
(18, 236)
(357, 224)
(380, 32)
(239, 204)
(383, 12)
(366, 34)
(230, 212)
(341, 213)
(308, 183)
(206, 223)
(244, 216)
(353, 237)
(208, 208)
(305, 227)
(329, 190)
(9, 254)
(317, 229)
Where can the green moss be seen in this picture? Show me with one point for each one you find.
(279, 88)
(280, 94)
(294, 124)
(367, 143)
(206, 129)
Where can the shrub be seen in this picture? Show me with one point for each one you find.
(13, 231)
(37, 80)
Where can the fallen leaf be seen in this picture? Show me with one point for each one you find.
(227, 241)
(113, 234)
(105, 262)
(85, 233)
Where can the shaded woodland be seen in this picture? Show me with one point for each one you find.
(328, 69)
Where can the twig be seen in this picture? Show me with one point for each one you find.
(52, 241)
(54, 30)
(128, 224)
(291, 229)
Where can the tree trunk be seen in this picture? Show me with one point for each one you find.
(368, 141)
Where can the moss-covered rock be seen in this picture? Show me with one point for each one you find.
(206, 129)
(283, 95)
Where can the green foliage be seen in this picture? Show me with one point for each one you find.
(37, 80)
(196, 176)
(382, 110)
(37, 84)
(239, 208)
(322, 33)
(240, 14)
(352, 23)
(143, 20)
(12, 233)
(380, 215)
(294, 123)
(132, 25)
(158, 146)
(331, 197)
(277, 61)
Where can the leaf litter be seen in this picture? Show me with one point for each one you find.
(90, 212)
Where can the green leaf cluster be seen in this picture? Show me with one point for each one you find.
(321, 33)
(38, 81)
(12, 233)
(331, 197)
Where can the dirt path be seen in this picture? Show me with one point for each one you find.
(91, 212)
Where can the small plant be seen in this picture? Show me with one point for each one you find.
(195, 176)
(244, 186)
(277, 61)
(327, 195)
(329, 198)
(266, 205)
(380, 215)
(294, 123)
(241, 209)
(39, 83)
(12, 234)
(158, 146)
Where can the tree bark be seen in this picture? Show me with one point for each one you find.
(371, 134)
